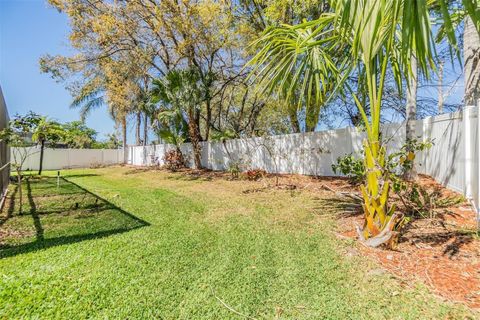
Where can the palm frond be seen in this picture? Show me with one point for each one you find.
(87, 102)
(294, 61)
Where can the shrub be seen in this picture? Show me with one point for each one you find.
(97, 165)
(174, 160)
(254, 174)
(421, 202)
(396, 163)
(351, 167)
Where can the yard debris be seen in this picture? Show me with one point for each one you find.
(342, 193)
(230, 308)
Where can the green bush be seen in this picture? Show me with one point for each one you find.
(351, 167)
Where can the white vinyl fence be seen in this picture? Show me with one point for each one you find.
(56, 159)
(453, 160)
(4, 152)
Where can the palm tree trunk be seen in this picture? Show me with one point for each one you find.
(137, 129)
(471, 58)
(411, 114)
(145, 129)
(124, 139)
(42, 149)
(194, 134)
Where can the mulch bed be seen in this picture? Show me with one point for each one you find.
(443, 252)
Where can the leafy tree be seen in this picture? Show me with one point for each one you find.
(18, 135)
(78, 136)
(119, 44)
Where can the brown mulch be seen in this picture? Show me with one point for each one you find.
(442, 251)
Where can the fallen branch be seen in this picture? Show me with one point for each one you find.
(342, 193)
(230, 308)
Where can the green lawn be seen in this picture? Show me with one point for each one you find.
(119, 243)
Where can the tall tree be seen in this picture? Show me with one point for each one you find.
(411, 113)
(471, 68)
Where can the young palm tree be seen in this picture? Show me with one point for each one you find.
(376, 35)
(46, 130)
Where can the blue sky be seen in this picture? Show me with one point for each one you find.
(28, 30)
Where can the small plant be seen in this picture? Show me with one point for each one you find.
(255, 174)
(234, 169)
(402, 161)
(418, 201)
(154, 160)
(174, 160)
(351, 167)
(424, 203)
(397, 164)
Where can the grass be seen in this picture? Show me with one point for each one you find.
(118, 243)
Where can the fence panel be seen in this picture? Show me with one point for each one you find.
(4, 151)
(56, 159)
(453, 160)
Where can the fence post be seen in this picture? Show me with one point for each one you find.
(477, 164)
(425, 137)
(467, 139)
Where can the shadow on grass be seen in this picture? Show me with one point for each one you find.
(81, 175)
(60, 215)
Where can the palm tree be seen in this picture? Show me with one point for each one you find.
(378, 34)
(91, 97)
(172, 128)
(181, 91)
(46, 130)
(87, 101)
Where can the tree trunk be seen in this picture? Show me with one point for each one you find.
(42, 149)
(411, 114)
(294, 119)
(145, 129)
(20, 195)
(137, 129)
(311, 118)
(194, 134)
(124, 139)
(471, 58)
(209, 118)
(440, 87)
